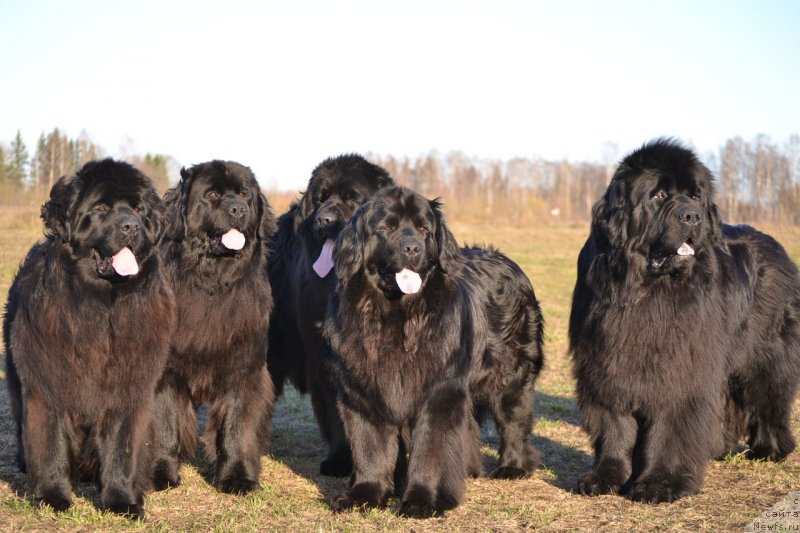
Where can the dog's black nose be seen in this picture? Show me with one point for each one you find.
(410, 247)
(237, 209)
(689, 216)
(129, 225)
(325, 219)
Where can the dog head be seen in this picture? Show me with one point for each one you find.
(397, 240)
(658, 213)
(219, 208)
(338, 186)
(109, 215)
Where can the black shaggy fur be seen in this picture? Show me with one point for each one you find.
(296, 348)
(85, 345)
(219, 350)
(410, 368)
(679, 356)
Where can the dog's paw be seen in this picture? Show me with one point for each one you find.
(593, 485)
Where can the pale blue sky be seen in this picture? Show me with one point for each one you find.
(279, 86)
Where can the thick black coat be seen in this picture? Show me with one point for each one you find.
(679, 355)
(337, 187)
(410, 368)
(85, 345)
(219, 348)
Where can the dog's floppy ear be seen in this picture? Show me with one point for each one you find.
(713, 219)
(349, 251)
(306, 206)
(158, 215)
(610, 216)
(55, 211)
(448, 250)
(714, 223)
(267, 226)
(174, 204)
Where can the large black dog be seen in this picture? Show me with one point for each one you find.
(685, 332)
(421, 333)
(217, 258)
(300, 272)
(86, 329)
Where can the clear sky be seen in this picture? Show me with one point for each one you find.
(279, 86)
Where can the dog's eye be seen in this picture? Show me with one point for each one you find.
(696, 197)
(243, 194)
(101, 208)
(387, 228)
(660, 195)
(212, 195)
(139, 209)
(423, 229)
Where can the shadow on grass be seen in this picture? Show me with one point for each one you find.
(296, 443)
(557, 408)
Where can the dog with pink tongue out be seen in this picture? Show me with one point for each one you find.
(87, 328)
(301, 275)
(424, 338)
(216, 255)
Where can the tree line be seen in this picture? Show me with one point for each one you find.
(31, 175)
(757, 180)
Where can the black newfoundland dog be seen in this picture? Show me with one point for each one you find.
(86, 329)
(421, 334)
(685, 332)
(300, 272)
(216, 255)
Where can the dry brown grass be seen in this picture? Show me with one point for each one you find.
(294, 497)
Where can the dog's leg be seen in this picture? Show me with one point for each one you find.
(437, 469)
(677, 443)
(513, 413)
(47, 453)
(237, 433)
(613, 438)
(375, 457)
(166, 465)
(120, 442)
(339, 462)
(768, 395)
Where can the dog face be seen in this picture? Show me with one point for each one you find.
(110, 215)
(338, 186)
(659, 209)
(219, 208)
(398, 240)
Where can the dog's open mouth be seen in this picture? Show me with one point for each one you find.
(686, 248)
(659, 259)
(409, 281)
(123, 263)
(233, 239)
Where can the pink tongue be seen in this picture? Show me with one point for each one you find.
(408, 281)
(233, 240)
(124, 263)
(324, 262)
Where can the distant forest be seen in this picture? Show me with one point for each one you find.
(757, 180)
(25, 174)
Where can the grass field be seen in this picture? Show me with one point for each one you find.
(294, 497)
